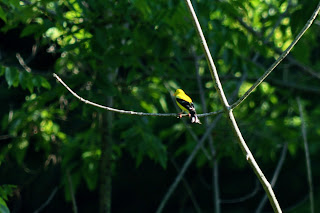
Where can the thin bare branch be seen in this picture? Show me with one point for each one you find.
(245, 197)
(283, 83)
(125, 111)
(22, 63)
(188, 188)
(216, 186)
(259, 35)
(215, 168)
(281, 17)
(4, 137)
(277, 62)
(306, 150)
(297, 204)
(275, 176)
(304, 68)
(109, 108)
(53, 193)
(185, 166)
(74, 204)
(264, 182)
(228, 110)
(212, 67)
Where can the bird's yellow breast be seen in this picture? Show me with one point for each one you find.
(182, 95)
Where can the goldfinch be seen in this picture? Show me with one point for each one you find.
(185, 103)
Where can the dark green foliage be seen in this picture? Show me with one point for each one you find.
(135, 53)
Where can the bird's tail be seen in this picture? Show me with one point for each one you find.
(194, 118)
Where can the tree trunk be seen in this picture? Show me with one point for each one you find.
(106, 160)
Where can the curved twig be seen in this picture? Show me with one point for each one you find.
(53, 193)
(307, 154)
(244, 197)
(126, 111)
(277, 62)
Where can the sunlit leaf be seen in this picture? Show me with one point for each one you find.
(3, 206)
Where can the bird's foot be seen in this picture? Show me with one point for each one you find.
(179, 115)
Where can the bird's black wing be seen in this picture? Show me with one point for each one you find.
(189, 106)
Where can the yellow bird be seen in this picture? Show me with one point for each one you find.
(185, 103)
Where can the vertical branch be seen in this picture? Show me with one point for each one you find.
(275, 176)
(186, 165)
(216, 189)
(106, 158)
(188, 189)
(306, 150)
(74, 204)
(266, 185)
(212, 67)
(215, 170)
(263, 180)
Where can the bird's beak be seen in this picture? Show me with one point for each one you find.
(174, 94)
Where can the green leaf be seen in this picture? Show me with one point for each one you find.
(12, 76)
(45, 83)
(31, 29)
(7, 190)
(11, 3)
(3, 206)
(36, 81)
(23, 79)
(2, 70)
(163, 104)
(3, 15)
(20, 150)
(39, 81)
(90, 172)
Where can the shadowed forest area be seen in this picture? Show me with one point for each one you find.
(89, 121)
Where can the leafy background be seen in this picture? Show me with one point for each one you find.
(132, 55)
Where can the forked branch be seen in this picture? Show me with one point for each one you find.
(228, 110)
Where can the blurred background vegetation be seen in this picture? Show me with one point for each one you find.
(58, 154)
